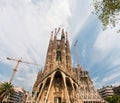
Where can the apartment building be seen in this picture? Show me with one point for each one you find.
(17, 96)
(106, 91)
(117, 90)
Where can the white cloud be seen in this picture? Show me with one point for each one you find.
(107, 41)
(107, 44)
(25, 31)
(116, 84)
(111, 77)
(84, 53)
(20, 78)
(80, 10)
(25, 27)
(95, 80)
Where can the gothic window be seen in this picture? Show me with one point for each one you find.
(37, 94)
(63, 37)
(47, 83)
(40, 89)
(58, 57)
(67, 58)
(58, 82)
(57, 100)
(75, 87)
(69, 85)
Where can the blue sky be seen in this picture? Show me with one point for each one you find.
(25, 27)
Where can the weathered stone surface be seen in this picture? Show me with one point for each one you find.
(59, 82)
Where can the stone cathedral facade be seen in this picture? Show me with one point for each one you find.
(59, 82)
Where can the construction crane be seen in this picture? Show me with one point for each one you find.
(16, 67)
(78, 67)
(77, 57)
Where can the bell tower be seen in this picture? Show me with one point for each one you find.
(59, 82)
(58, 54)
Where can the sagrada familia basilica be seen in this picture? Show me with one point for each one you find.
(60, 82)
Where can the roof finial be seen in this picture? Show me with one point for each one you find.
(58, 30)
(63, 34)
(51, 35)
(55, 31)
(66, 35)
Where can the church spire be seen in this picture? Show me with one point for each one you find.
(55, 39)
(50, 42)
(63, 51)
(58, 52)
(63, 40)
(68, 53)
(63, 35)
(49, 53)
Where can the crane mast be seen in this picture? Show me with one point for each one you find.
(78, 67)
(76, 52)
(16, 67)
(14, 71)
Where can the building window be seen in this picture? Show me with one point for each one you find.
(58, 57)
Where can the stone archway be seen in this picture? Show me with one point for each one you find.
(70, 89)
(58, 87)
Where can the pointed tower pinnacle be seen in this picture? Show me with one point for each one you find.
(68, 53)
(63, 35)
(51, 36)
(49, 54)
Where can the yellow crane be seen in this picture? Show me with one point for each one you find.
(16, 67)
(15, 70)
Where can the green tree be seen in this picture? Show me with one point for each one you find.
(6, 89)
(108, 11)
(113, 99)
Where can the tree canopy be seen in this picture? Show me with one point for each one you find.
(6, 89)
(114, 99)
(108, 11)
